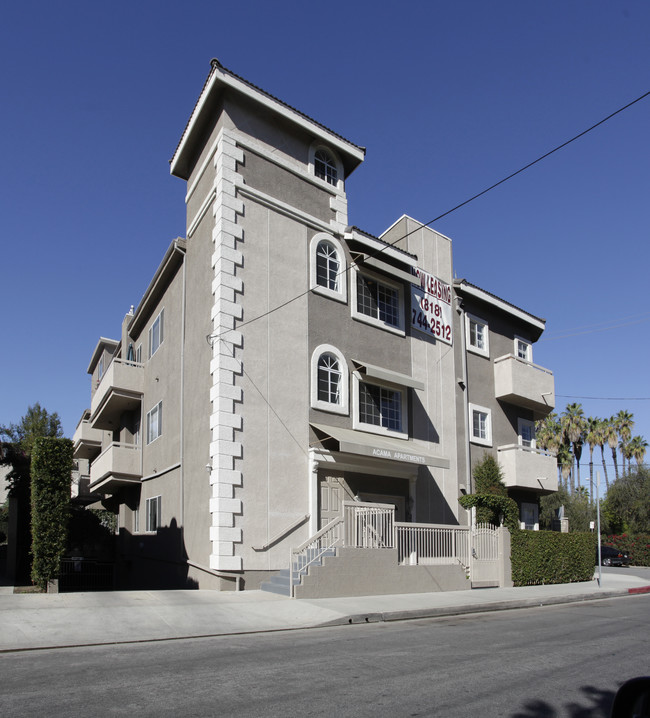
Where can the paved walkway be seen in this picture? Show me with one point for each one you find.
(31, 621)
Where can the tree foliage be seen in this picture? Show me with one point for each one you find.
(51, 475)
(577, 508)
(488, 481)
(627, 506)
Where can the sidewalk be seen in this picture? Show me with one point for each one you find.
(30, 621)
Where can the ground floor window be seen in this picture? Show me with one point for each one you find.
(154, 506)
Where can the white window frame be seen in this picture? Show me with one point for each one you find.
(154, 412)
(159, 321)
(369, 319)
(357, 380)
(153, 508)
(534, 508)
(335, 161)
(342, 406)
(485, 350)
(529, 349)
(136, 519)
(487, 439)
(340, 294)
(138, 354)
(521, 423)
(100, 367)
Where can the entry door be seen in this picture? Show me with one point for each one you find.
(331, 498)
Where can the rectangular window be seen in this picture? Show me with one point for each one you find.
(527, 433)
(480, 425)
(100, 368)
(477, 335)
(523, 349)
(153, 506)
(156, 333)
(380, 406)
(378, 302)
(136, 519)
(138, 354)
(154, 423)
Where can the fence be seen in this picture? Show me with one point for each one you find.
(433, 544)
(82, 574)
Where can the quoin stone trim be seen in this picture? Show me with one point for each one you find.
(225, 395)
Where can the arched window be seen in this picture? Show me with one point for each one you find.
(329, 380)
(325, 167)
(327, 266)
(328, 274)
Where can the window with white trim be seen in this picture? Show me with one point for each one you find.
(328, 274)
(523, 349)
(378, 301)
(325, 167)
(154, 423)
(526, 430)
(480, 422)
(138, 354)
(156, 333)
(153, 509)
(329, 380)
(477, 335)
(136, 519)
(381, 408)
(100, 368)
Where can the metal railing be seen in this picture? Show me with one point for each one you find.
(433, 544)
(83, 574)
(369, 525)
(312, 551)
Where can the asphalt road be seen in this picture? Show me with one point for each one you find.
(553, 661)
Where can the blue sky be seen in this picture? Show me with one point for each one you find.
(448, 98)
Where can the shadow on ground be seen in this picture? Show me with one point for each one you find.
(597, 704)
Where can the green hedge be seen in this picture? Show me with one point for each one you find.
(51, 474)
(637, 547)
(497, 505)
(544, 557)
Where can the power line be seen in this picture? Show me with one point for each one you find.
(211, 337)
(605, 398)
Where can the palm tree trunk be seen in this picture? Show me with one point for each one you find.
(615, 462)
(602, 453)
(591, 474)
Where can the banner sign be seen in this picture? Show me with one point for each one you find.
(431, 306)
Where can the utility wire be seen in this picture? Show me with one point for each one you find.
(605, 398)
(211, 337)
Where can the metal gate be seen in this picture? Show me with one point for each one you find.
(484, 562)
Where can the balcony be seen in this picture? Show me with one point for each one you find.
(119, 390)
(524, 384)
(526, 468)
(87, 441)
(118, 465)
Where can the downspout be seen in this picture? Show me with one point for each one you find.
(463, 348)
(182, 417)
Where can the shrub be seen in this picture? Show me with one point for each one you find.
(51, 474)
(545, 557)
(493, 507)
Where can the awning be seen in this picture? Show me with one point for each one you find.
(379, 447)
(393, 377)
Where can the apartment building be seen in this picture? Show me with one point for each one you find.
(504, 393)
(281, 362)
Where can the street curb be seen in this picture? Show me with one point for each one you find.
(639, 589)
(444, 611)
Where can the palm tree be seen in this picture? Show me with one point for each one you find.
(591, 437)
(611, 437)
(573, 423)
(624, 422)
(625, 447)
(564, 465)
(639, 446)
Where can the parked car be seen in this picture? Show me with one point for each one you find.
(610, 556)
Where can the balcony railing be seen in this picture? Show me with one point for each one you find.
(524, 384)
(118, 465)
(119, 390)
(527, 468)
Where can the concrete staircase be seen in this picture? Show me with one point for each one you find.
(280, 582)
